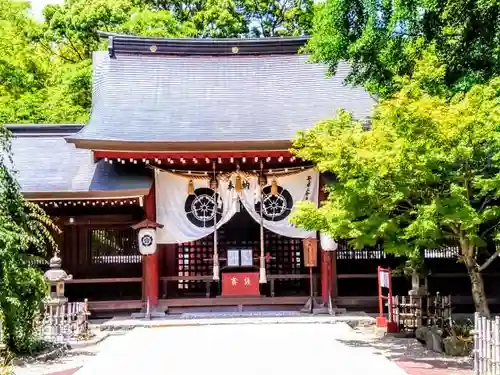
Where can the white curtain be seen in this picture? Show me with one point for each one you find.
(187, 217)
(292, 188)
(190, 217)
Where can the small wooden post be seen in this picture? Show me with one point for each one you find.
(482, 347)
(310, 246)
(477, 330)
(497, 345)
(488, 346)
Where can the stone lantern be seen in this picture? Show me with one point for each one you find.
(56, 277)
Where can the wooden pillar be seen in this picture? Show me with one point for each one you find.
(328, 260)
(328, 275)
(324, 276)
(150, 274)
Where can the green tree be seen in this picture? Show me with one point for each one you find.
(34, 86)
(243, 18)
(383, 40)
(25, 232)
(268, 18)
(45, 68)
(426, 174)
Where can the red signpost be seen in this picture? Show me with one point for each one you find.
(384, 277)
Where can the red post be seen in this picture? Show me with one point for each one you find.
(380, 298)
(325, 276)
(150, 274)
(382, 321)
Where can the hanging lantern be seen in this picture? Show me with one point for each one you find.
(191, 187)
(327, 242)
(238, 185)
(274, 187)
(213, 184)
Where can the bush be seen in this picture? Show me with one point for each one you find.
(25, 232)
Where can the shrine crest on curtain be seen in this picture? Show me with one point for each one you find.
(190, 208)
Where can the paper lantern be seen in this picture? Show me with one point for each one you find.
(327, 242)
(147, 241)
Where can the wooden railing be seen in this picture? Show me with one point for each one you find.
(106, 280)
(208, 279)
(292, 276)
(166, 279)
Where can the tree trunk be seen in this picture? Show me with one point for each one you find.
(478, 294)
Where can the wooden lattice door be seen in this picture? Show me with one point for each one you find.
(287, 258)
(193, 259)
(286, 255)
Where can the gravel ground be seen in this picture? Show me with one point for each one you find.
(66, 364)
(292, 349)
(71, 360)
(409, 354)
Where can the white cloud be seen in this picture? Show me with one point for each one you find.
(38, 5)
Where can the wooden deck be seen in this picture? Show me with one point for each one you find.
(174, 303)
(178, 304)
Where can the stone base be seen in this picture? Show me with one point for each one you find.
(383, 322)
(153, 313)
(312, 306)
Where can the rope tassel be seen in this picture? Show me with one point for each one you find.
(274, 187)
(238, 184)
(216, 269)
(216, 272)
(191, 187)
(262, 271)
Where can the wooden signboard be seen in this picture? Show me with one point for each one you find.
(310, 252)
(240, 284)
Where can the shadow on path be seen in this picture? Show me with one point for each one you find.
(411, 355)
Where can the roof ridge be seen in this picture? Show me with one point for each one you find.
(34, 130)
(121, 43)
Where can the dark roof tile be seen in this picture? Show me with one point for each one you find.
(47, 163)
(214, 98)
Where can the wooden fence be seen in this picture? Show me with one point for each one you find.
(65, 323)
(411, 312)
(486, 345)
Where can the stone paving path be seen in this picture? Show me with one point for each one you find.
(243, 349)
(411, 356)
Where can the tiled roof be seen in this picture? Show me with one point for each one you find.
(45, 162)
(170, 98)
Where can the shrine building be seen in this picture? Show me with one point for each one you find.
(193, 135)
